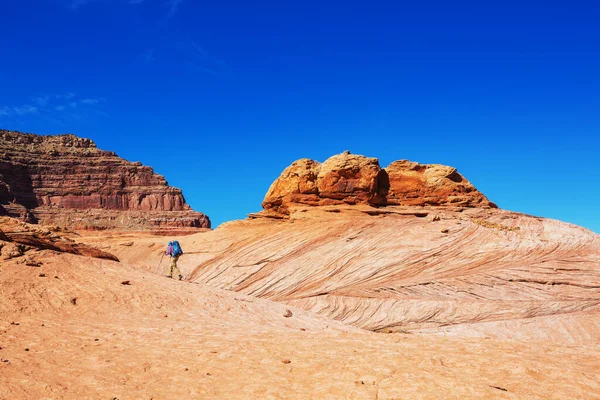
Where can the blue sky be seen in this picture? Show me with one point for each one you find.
(219, 97)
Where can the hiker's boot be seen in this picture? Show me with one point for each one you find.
(180, 277)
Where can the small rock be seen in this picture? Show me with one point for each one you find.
(26, 349)
(436, 218)
(96, 340)
(42, 275)
(32, 263)
(74, 301)
(14, 323)
(445, 230)
(126, 283)
(286, 361)
(4, 360)
(288, 313)
(186, 369)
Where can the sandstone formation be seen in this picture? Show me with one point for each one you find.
(19, 239)
(442, 295)
(411, 248)
(494, 274)
(354, 179)
(444, 262)
(414, 184)
(71, 329)
(67, 180)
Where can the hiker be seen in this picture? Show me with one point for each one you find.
(174, 250)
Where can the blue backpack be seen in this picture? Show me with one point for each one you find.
(176, 248)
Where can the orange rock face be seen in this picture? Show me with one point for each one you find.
(354, 179)
(297, 183)
(414, 184)
(342, 179)
(51, 178)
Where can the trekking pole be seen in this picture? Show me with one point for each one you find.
(160, 262)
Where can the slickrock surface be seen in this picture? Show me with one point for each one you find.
(494, 274)
(18, 239)
(66, 180)
(78, 332)
(354, 179)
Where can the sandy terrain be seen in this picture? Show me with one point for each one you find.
(163, 339)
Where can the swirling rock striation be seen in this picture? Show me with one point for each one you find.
(479, 272)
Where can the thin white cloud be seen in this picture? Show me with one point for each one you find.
(149, 56)
(18, 111)
(199, 49)
(24, 110)
(67, 96)
(42, 101)
(173, 6)
(54, 107)
(90, 101)
(102, 113)
(206, 62)
(75, 4)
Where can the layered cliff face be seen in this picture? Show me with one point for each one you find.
(354, 179)
(67, 180)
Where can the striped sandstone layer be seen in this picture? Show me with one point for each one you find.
(66, 180)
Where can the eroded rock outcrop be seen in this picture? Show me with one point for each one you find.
(17, 238)
(354, 179)
(67, 180)
(342, 179)
(414, 184)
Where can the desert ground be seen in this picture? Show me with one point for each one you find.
(79, 327)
